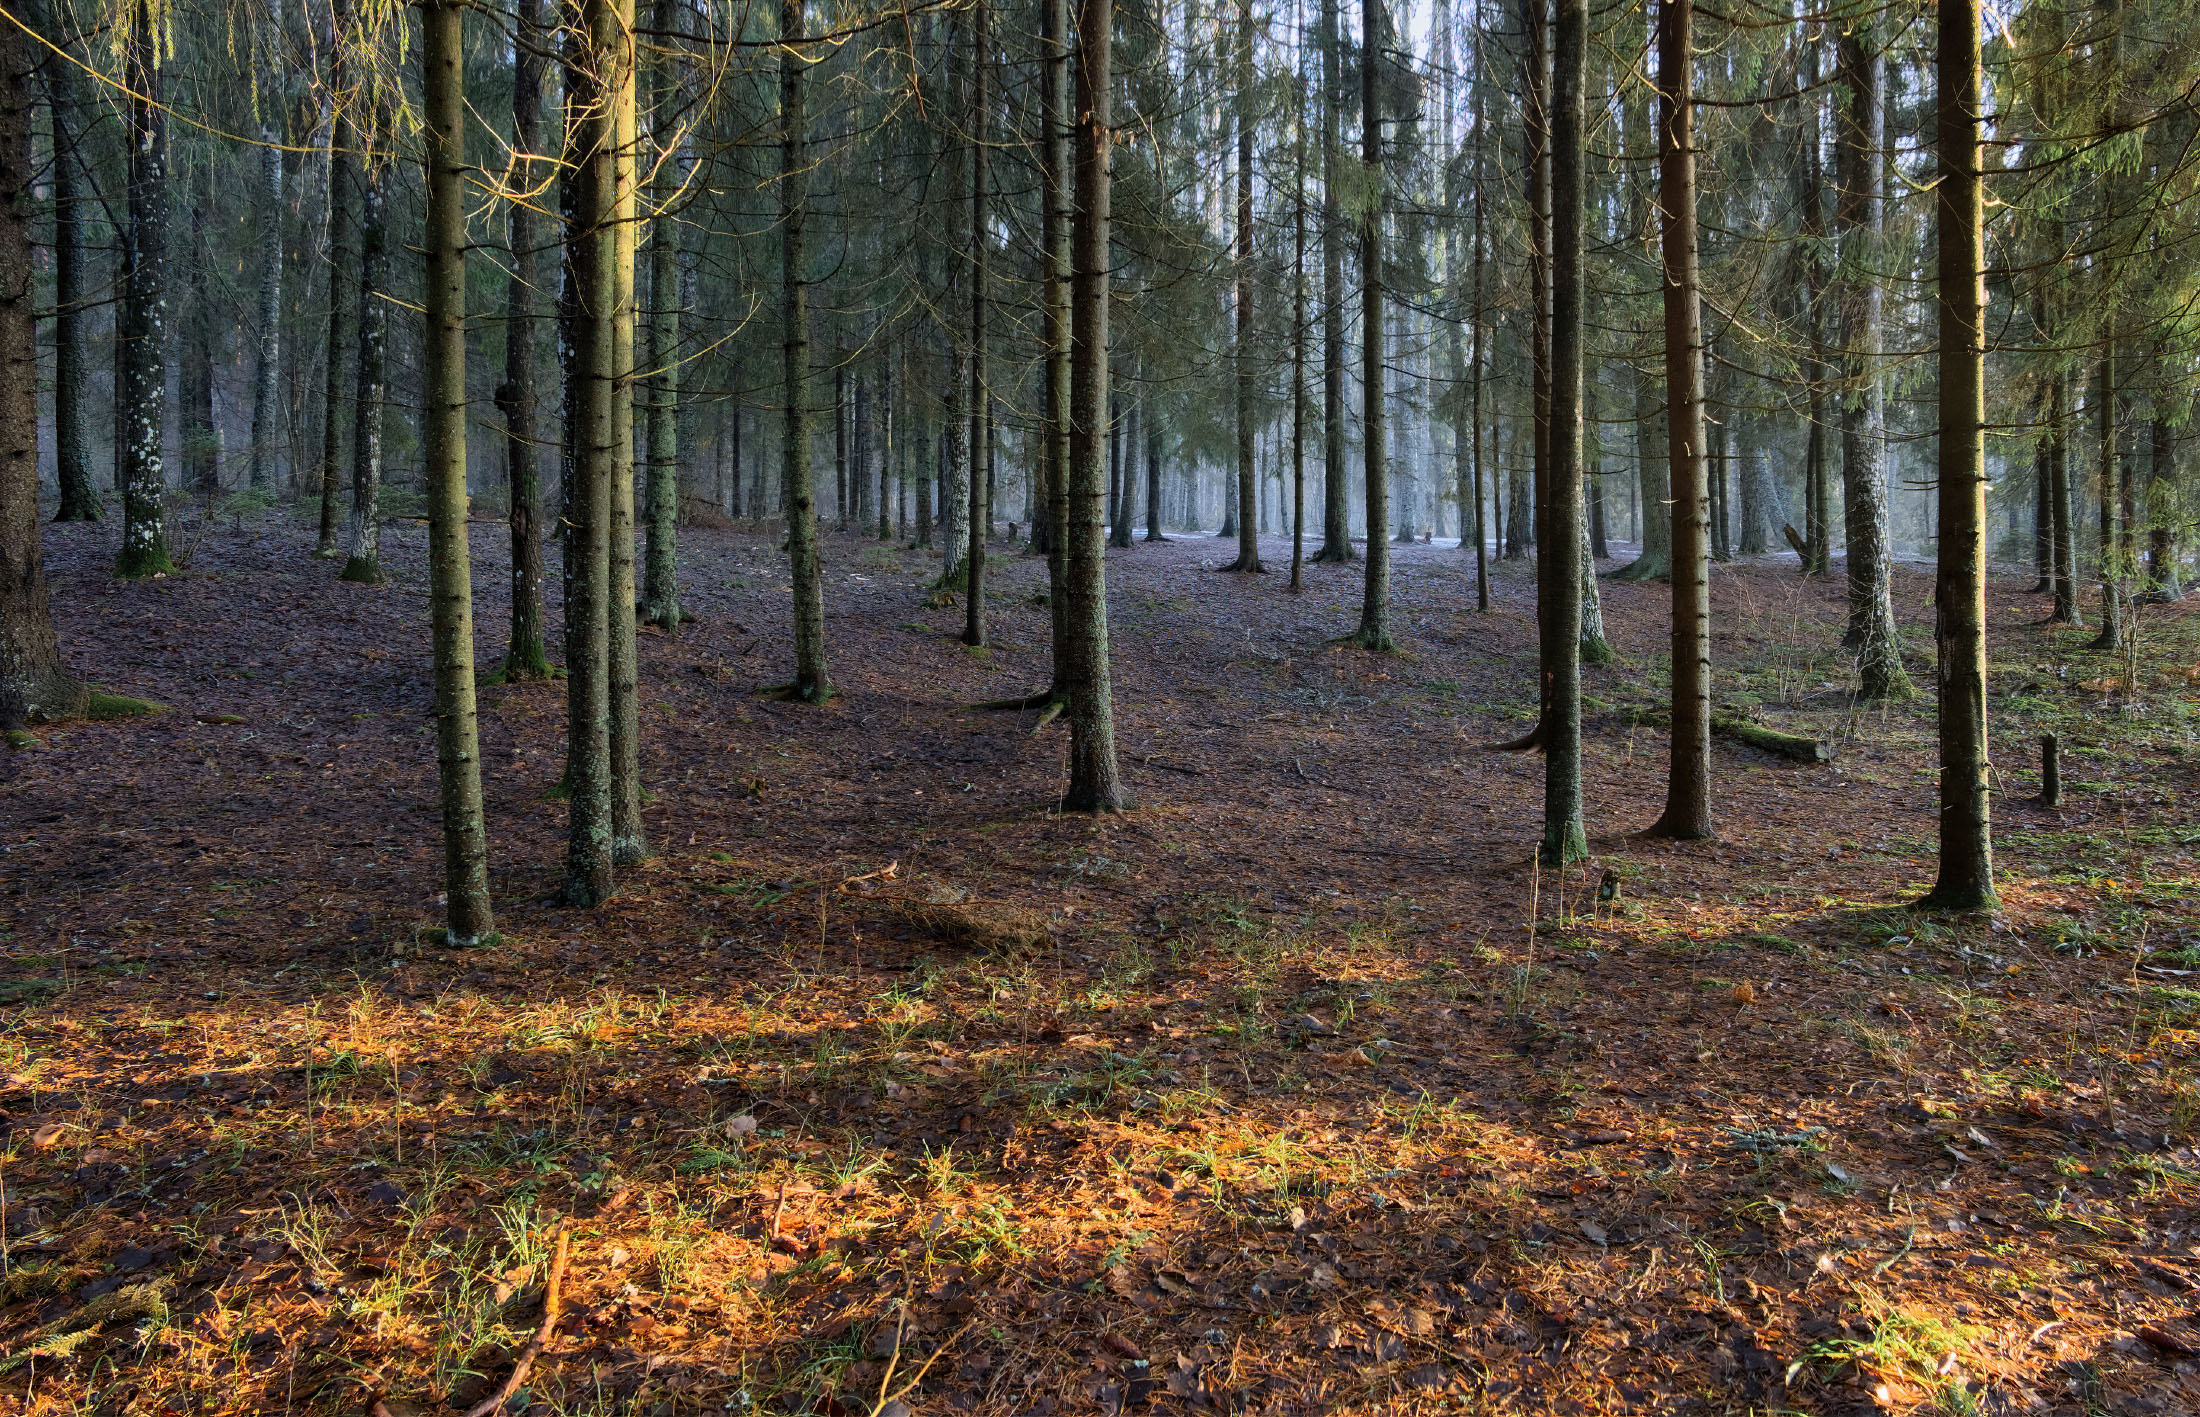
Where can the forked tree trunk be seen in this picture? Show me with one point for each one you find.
(467, 914)
(1966, 880)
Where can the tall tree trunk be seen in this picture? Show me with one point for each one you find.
(1336, 518)
(525, 658)
(199, 438)
(1094, 782)
(661, 577)
(1966, 880)
(364, 563)
(981, 238)
(1481, 532)
(2105, 375)
(1152, 426)
(1559, 562)
(629, 839)
(1241, 347)
(467, 914)
(1687, 814)
(65, 105)
(267, 374)
(593, 371)
(142, 359)
(2062, 534)
(1859, 207)
(1056, 221)
(1817, 496)
(812, 684)
(338, 353)
(1298, 340)
(1374, 629)
(34, 684)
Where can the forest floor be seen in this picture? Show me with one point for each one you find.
(886, 1087)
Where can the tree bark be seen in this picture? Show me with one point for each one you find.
(1559, 563)
(629, 840)
(468, 917)
(812, 683)
(364, 563)
(1374, 629)
(1095, 784)
(981, 239)
(661, 571)
(1056, 222)
(525, 657)
(142, 356)
(1336, 519)
(34, 684)
(1241, 347)
(338, 353)
(1687, 815)
(1966, 880)
(267, 375)
(65, 105)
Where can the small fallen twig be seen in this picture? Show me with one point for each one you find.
(553, 1298)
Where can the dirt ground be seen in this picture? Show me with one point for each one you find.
(885, 1087)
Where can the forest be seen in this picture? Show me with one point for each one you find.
(1107, 706)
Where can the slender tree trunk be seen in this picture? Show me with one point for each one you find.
(1336, 519)
(2105, 377)
(467, 914)
(64, 84)
(2163, 583)
(525, 658)
(1094, 782)
(590, 83)
(1687, 814)
(812, 683)
(343, 258)
(200, 440)
(1374, 629)
(1559, 562)
(1966, 880)
(364, 563)
(1056, 221)
(629, 840)
(2063, 531)
(142, 359)
(1298, 338)
(1817, 499)
(35, 686)
(1859, 136)
(1241, 348)
(267, 376)
(661, 571)
(1474, 395)
(981, 238)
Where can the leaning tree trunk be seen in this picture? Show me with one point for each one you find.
(1336, 513)
(34, 685)
(1687, 814)
(142, 362)
(524, 657)
(1094, 782)
(467, 914)
(660, 579)
(1560, 560)
(364, 564)
(71, 271)
(1859, 209)
(812, 683)
(1374, 629)
(1966, 880)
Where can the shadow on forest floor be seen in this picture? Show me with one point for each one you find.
(1294, 1089)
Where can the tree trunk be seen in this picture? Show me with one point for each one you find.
(589, 86)
(1094, 783)
(2105, 376)
(1817, 496)
(2062, 534)
(1241, 347)
(1056, 222)
(1559, 562)
(1336, 524)
(34, 684)
(199, 439)
(1374, 629)
(812, 684)
(525, 658)
(1859, 144)
(141, 359)
(661, 571)
(1966, 880)
(2163, 584)
(981, 238)
(343, 257)
(267, 375)
(629, 841)
(364, 563)
(467, 914)
(72, 274)
(1687, 815)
